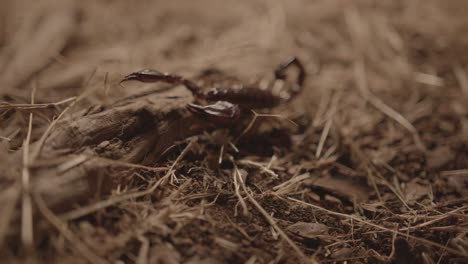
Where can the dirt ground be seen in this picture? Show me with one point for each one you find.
(369, 164)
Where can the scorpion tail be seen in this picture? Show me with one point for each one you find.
(280, 73)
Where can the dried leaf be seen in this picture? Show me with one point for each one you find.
(308, 230)
(416, 190)
(350, 188)
(439, 157)
(342, 253)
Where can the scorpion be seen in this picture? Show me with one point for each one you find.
(223, 105)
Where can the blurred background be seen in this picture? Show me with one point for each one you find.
(58, 43)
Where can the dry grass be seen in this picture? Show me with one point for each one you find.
(375, 148)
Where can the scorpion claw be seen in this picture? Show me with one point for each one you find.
(221, 112)
(130, 77)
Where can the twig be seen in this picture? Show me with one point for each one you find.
(430, 222)
(27, 232)
(5, 138)
(236, 174)
(326, 129)
(249, 126)
(252, 122)
(323, 137)
(238, 228)
(221, 152)
(127, 164)
(463, 172)
(40, 144)
(264, 169)
(392, 253)
(106, 86)
(285, 186)
(143, 252)
(32, 106)
(361, 82)
(443, 252)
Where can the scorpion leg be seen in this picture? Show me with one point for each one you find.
(220, 113)
(280, 73)
(151, 76)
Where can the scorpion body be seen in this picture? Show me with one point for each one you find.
(222, 104)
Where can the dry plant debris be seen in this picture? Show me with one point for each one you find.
(368, 165)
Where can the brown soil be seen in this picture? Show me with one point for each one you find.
(368, 165)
